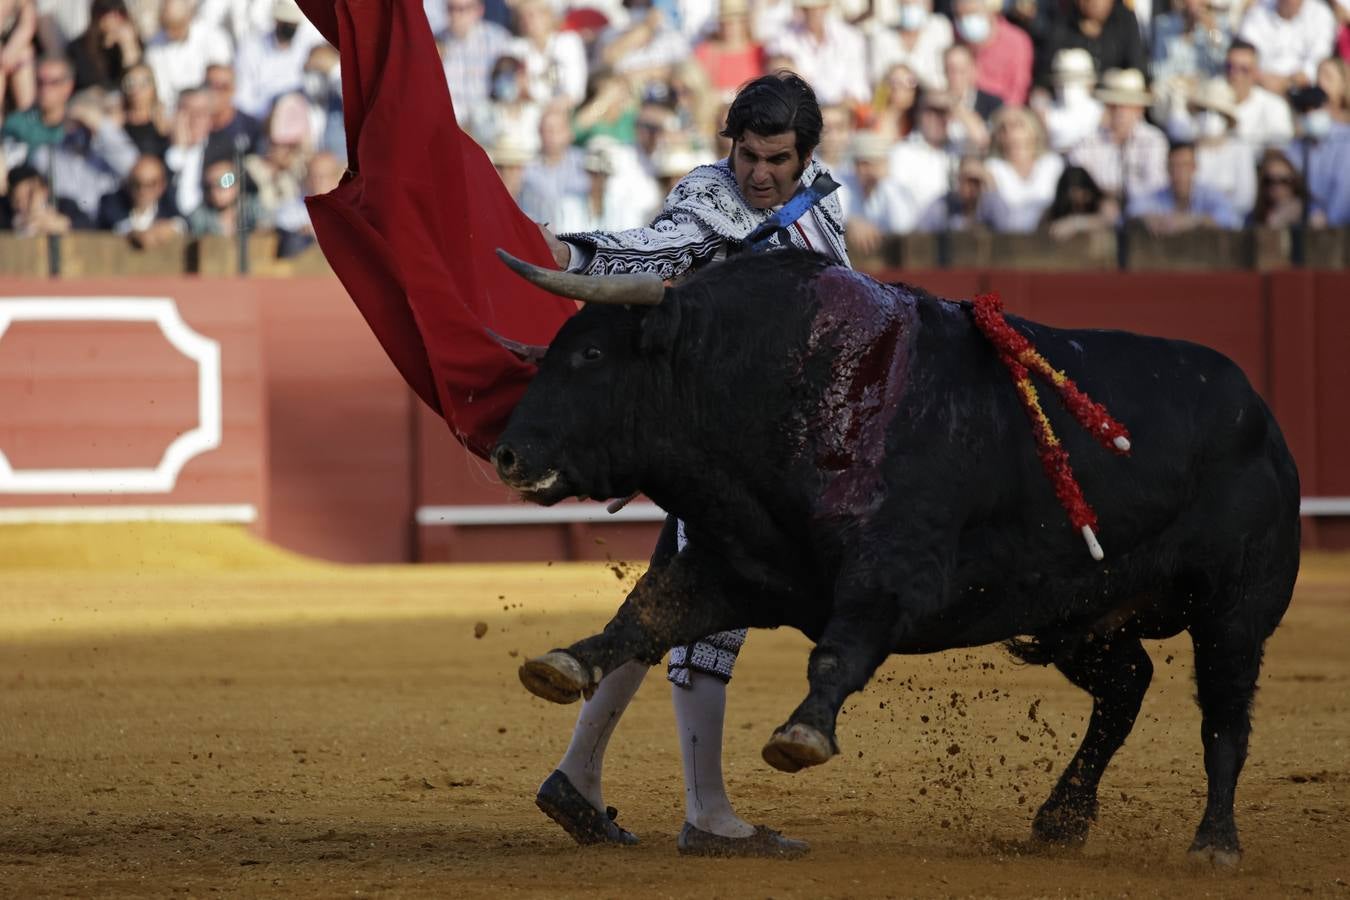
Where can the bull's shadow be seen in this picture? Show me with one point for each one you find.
(853, 460)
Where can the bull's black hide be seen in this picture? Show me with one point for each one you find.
(851, 460)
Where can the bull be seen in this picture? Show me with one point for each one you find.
(850, 459)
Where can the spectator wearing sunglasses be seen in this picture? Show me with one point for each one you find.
(1281, 194)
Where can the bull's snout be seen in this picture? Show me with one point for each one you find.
(507, 462)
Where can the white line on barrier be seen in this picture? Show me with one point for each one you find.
(233, 513)
(525, 514)
(205, 436)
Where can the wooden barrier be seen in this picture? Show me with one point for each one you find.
(99, 254)
(24, 257)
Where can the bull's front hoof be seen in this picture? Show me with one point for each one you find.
(557, 676)
(1064, 824)
(1223, 858)
(796, 747)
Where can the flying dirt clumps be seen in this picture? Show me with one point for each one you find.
(479, 629)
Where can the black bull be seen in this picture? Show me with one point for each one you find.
(851, 459)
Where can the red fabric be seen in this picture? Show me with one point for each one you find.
(412, 228)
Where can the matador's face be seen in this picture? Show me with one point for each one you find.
(767, 168)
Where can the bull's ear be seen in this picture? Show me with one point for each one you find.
(660, 325)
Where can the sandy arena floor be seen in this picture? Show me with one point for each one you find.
(183, 712)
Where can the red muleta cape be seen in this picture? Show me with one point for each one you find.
(412, 228)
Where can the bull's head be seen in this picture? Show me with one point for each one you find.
(572, 434)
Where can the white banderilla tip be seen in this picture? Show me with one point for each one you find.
(1122, 444)
(1093, 547)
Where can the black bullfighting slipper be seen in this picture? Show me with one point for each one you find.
(559, 799)
(765, 842)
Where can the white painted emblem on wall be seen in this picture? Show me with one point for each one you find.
(205, 436)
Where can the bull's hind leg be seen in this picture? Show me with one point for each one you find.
(1117, 674)
(1227, 663)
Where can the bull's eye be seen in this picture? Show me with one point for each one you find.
(592, 354)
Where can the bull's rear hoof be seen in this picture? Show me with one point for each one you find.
(557, 677)
(796, 747)
(1218, 858)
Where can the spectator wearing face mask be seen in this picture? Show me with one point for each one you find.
(917, 41)
(510, 116)
(1184, 204)
(1321, 149)
(1003, 53)
(1292, 37)
(1073, 113)
(1107, 29)
(271, 64)
(1224, 162)
(1263, 119)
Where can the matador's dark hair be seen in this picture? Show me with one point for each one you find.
(774, 104)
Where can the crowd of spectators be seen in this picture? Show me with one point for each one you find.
(153, 118)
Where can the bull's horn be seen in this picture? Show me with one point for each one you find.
(530, 353)
(637, 289)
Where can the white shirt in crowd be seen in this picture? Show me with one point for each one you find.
(890, 207)
(179, 65)
(559, 70)
(927, 170)
(1073, 116)
(185, 162)
(1264, 119)
(835, 67)
(1290, 46)
(264, 70)
(1017, 204)
(1228, 167)
(243, 18)
(924, 58)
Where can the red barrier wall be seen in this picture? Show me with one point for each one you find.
(321, 436)
(104, 389)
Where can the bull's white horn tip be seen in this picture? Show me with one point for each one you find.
(1094, 548)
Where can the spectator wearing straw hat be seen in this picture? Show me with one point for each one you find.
(1224, 162)
(1074, 113)
(510, 156)
(826, 52)
(1183, 204)
(1126, 156)
(874, 203)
